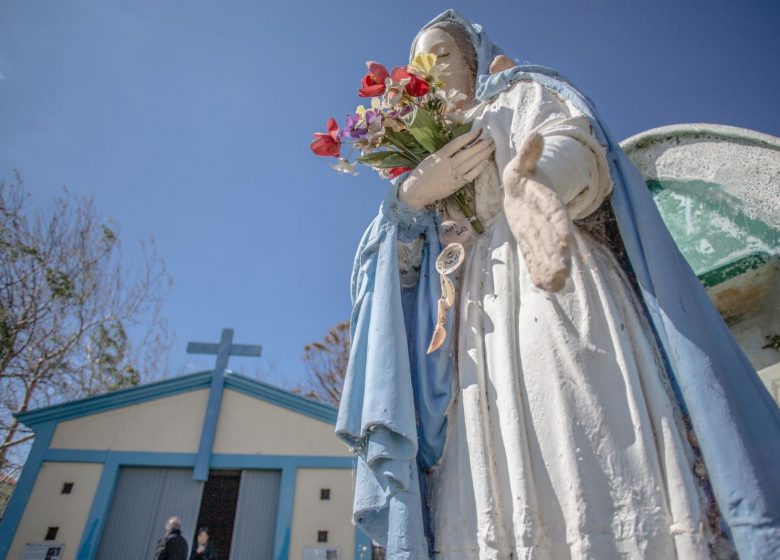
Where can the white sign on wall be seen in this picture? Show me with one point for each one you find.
(320, 553)
(43, 551)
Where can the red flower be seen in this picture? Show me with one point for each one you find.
(373, 83)
(417, 87)
(396, 171)
(327, 143)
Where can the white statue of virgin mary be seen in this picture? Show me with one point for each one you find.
(553, 422)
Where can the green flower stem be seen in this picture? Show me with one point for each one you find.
(464, 200)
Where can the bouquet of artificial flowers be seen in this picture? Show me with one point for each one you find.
(410, 117)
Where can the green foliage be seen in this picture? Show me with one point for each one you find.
(60, 284)
(460, 129)
(110, 348)
(109, 236)
(73, 322)
(387, 160)
(427, 130)
(404, 140)
(426, 134)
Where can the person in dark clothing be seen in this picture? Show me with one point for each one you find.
(203, 549)
(172, 546)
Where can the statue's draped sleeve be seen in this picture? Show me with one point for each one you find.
(395, 396)
(573, 162)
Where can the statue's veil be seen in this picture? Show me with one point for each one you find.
(486, 50)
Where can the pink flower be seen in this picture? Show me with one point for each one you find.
(327, 143)
(373, 83)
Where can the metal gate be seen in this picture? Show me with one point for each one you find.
(144, 498)
(255, 525)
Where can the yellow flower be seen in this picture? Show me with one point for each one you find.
(361, 112)
(424, 64)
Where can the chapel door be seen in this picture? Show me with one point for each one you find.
(218, 510)
(144, 499)
(255, 524)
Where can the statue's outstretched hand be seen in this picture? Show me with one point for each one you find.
(444, 172)
(537, 218)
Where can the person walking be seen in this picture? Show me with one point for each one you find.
(172, 546)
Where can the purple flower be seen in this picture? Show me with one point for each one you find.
(405, 110)
(358, 124)
(353, 129)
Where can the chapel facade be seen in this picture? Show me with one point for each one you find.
(105, 473)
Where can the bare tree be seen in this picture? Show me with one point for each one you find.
(73, 322)
(326, 362)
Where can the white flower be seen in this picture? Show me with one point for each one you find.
(343, 166)
(394, 91)
(451, 98)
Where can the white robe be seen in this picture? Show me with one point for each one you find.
(562, 440)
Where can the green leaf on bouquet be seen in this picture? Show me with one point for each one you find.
(426, 130)
(404, 140)
(386, 160)
(461, 129)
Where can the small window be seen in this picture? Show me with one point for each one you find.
(51, 533)
(324, 493)
(322, 536)
(67, 487)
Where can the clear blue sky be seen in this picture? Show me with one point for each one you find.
(190, 120)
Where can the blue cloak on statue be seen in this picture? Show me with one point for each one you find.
(393, 408)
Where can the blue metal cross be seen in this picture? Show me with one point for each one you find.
(223, 350)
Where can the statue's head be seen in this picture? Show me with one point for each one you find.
(464, 47)
(451, 44)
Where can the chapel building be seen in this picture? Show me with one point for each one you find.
(105, 473)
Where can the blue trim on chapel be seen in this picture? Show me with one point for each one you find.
(117, 399)
(44, 422)
(175, 385)
(44, 433)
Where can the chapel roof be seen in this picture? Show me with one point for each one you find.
(173, 386)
